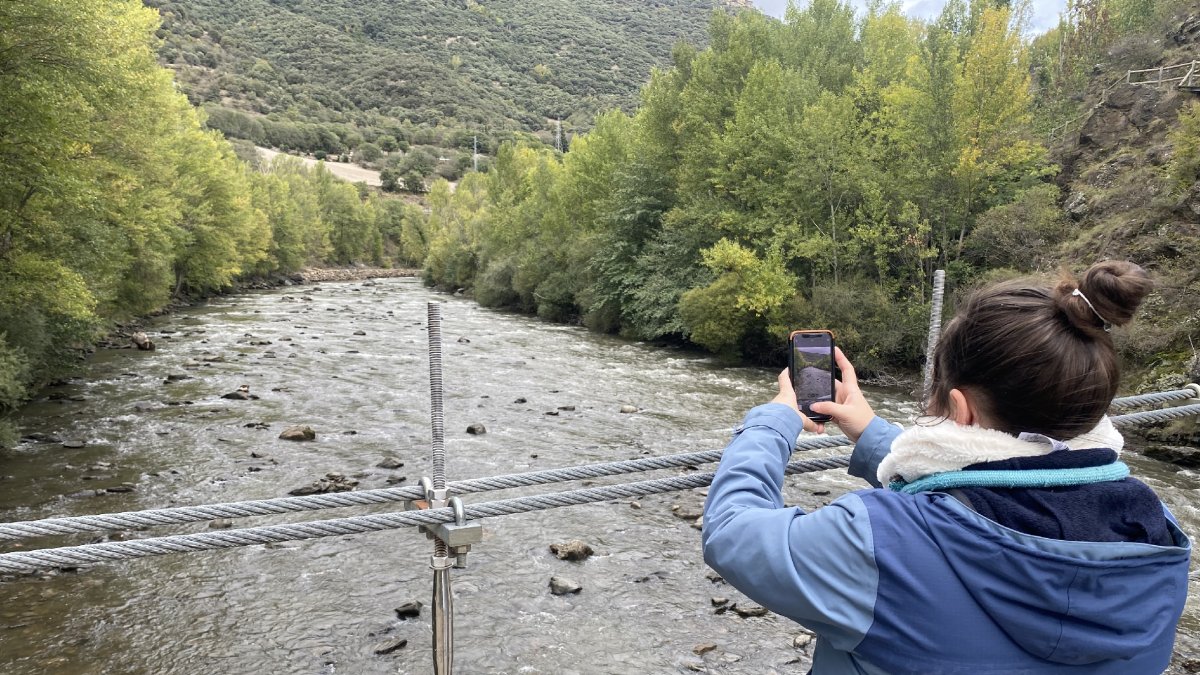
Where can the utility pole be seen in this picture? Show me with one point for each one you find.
(558, 136)
(475, 155)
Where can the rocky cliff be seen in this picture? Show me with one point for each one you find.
(1118, 189)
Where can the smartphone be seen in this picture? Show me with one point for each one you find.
(810, 363)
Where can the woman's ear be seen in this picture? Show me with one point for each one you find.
(962, 410)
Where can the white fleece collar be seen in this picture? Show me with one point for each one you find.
(949, 446)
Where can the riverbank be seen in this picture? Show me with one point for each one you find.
(320, 274)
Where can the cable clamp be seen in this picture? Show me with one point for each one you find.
(458, 535)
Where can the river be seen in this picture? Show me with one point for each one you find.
(350, 360)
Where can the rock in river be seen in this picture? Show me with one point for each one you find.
(332, 482)
(572, 550)
(242, 394)
(300, 432)
(409, 610)
(1177, 455)
(563, 586)
(476, 429)
(747, 611)
(391, 646)
(142, 341)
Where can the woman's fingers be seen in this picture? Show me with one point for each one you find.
(849, 377)
(786, 395)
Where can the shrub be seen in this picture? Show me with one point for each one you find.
(1022, 234)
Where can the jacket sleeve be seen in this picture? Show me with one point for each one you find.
(874, 444)
(817, 569)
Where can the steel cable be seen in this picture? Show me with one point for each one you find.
(73, 556)
(191, 514)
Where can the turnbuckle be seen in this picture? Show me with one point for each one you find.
(458, 536)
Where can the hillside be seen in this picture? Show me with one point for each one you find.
(490, 66)
(1132, 192)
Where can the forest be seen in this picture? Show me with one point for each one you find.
(810, 172)
(326, 76)
(115, 198)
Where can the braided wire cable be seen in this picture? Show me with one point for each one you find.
(73, 556)
(1154, 416)
(190, 514)
(243, 509)
(1159, 397)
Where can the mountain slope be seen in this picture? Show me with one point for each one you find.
(1124, 187)
(488, 64)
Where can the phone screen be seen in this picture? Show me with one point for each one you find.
(811, 365)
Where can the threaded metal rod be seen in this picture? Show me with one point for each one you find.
(436, 414)
(935, 332)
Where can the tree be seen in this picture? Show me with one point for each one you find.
(368, 153)
(389, 179)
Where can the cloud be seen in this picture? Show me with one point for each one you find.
(1045, 12)
(773, 7)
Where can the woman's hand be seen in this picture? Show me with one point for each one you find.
(787, 396)
(850, 412)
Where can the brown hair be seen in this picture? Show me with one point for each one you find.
(1036, 358)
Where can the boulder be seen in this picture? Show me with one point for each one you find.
(391, 646)
(390, 463)
(747, 611)
(409, 610)
(299, 433)
(142, 341)
(573, 550)
(563, 586)
(628, 409)
(242, 394)
(476, 429)
(1187, 457)
(332, 482)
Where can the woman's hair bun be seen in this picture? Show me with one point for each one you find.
(1115, 289)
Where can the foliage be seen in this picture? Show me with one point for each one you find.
(114, 197)
(327, 75)
(787, 170)
(1185, 164)
(1022, 235)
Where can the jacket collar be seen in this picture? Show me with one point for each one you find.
(949, 446)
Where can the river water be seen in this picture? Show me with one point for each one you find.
(350, 360)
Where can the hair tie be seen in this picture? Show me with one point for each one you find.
(1107, 325)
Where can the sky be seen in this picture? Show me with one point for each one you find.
(1045, 12)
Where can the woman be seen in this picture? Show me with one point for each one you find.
(1008, 538)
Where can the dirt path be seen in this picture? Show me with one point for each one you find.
(348, 172)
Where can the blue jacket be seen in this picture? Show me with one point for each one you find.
(893, 583)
